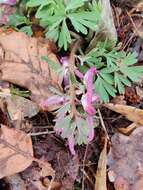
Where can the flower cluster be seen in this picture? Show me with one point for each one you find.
(87, 100)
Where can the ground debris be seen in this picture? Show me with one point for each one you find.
(16, 151)
(22, 64)
(66, 167)
(125, 160)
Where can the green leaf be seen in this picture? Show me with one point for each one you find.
(77, 25)
(69, 130)
(109, 88)
(64, 123)
(54, 66)
(63, 110)
(64, 36)
(16, 20)
(74, 4)
(130, 59)
(119, 84)
(27, 30)
(34, 3)
(73, 79)
(22, 93)
(82, 130)
(53, 34)
(107, 77)
(100, 90)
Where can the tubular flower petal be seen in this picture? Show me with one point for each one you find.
(88, 99)
(65, 63)
(71, 143)
(53, 100)
(88, 107)
(79, 74)
(91, 128)
(88, 80)
(8, 2)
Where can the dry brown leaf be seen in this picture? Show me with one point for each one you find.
(131, 113)
(125, 160)
(17, 104)
(101, 170)
(129, 129)
(21, 64)
(15, 151)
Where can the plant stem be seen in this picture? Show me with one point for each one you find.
(72, 87)
(102, 123)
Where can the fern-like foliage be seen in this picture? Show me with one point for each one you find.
(116, 70)
(60, 17)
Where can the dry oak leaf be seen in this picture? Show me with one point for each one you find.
(22, 64)
(16, 151)
(125, 160)
(17, 104)
(131, 113)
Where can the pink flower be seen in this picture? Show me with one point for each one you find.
(91, 128)
(8, 2)
(65, 63)
(71, 143)
(88, 99)
(88, 106)
(53, 100)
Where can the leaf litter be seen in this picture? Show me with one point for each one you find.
(125, 160)
(24, 55)
(11, 159)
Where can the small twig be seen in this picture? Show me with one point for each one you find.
(136, 30)
(102, 123)
(51, 182)
(86, 175)
(41, 133)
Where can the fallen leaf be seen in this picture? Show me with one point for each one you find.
(125, 160)
(100, 183)
(131, 113)
(15, 151)
(119, 100)
(129, 129)
(22, 65)
(16, 104)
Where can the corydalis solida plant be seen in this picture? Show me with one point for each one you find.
(77, 127)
